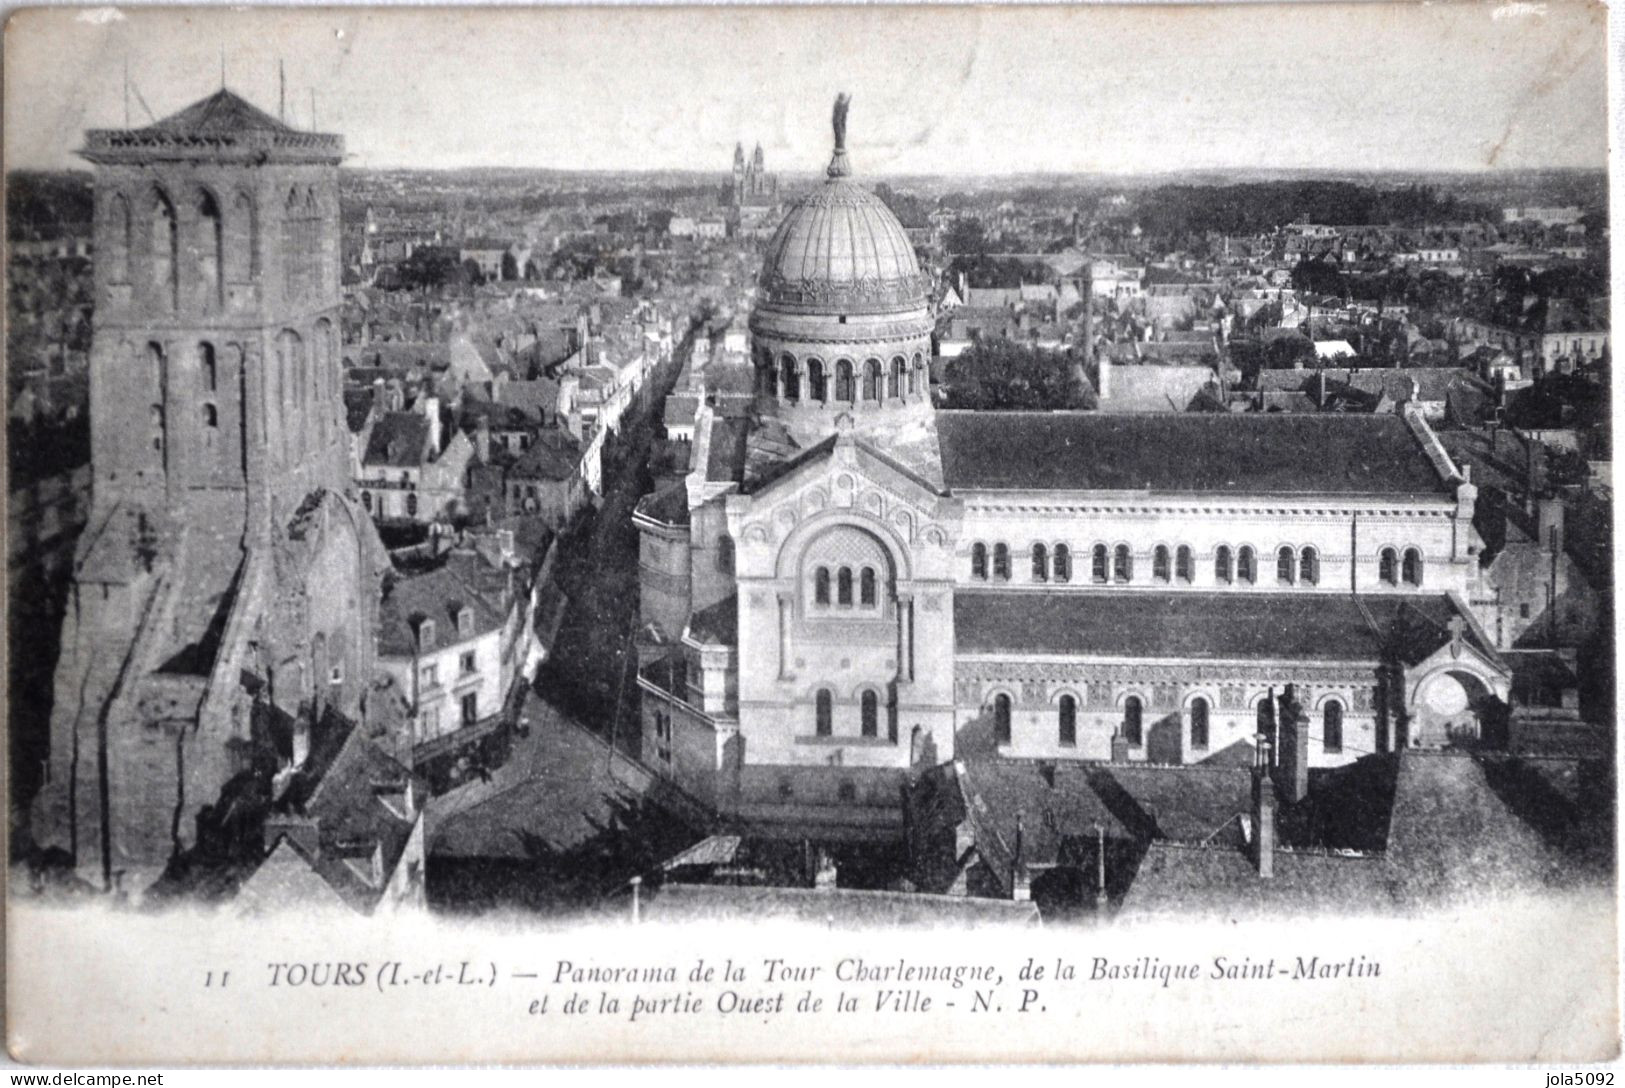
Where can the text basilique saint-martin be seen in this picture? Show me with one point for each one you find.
(1227, 969)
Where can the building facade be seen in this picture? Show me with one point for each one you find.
(874, 587)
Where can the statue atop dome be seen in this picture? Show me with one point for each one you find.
(838, 166)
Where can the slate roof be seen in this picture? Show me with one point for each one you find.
(1180, 879)
(463, 579)
(717, 624)
(554, 455)
(1250, 454)
(223, 113)
(1190, 624)
(669, 505)
(399, 440)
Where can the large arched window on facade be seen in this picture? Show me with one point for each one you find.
(1122, 564)
(1067, 725)
(1133, 721)
(165, 251)
(243, 256)
(870, 714)
(120, 236)
(1159, 564)
(1001, 562)
(789, 380)
(821, 585)
(1246, 565)
(210, 248)
(843, 586)
(1331, 726)
(978, 561)
(1388, 567)
(817, 386)
(824, 712)
(1184, 564)
(1199, 723)
(1309, 567)
(1286, 566)
(1063, 563)
(866, 587)
(1223, 571)
(843, 381)
(871, 380)
(1001, 719)
(1098, 571)
(1040, 563)
(1412, 567)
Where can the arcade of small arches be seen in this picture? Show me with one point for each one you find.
(1198, 713)
(1115, 564)
(187, 251)
(811, 379)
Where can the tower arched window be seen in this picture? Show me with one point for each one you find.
(821, 586)
(1184, 564)
(1040, 563)
(978, 561)
(789, 379)
(1001, 562)
(1067, 725)
(1133, 721)
(843, 381)
(243, 256)
(210, 248)
(1388, 567)
(1331, 726)
(1001, 718)
(866, 587)
(1246, 565)
(1223, 568)
(871, 380)
(894, 384)
(1098, 571)
(1160, 565)
(869, 714)
(1412, 568)
(1063, 563)
(1122, 564)
(824, 712)
(208, 372)
(1199, 722)
(843, 586)
(1309, 567)
(916, 375)
(293, 244)
(817, 383)
(119, 239)
(165, 251)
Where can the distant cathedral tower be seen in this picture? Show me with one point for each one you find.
(220, 545)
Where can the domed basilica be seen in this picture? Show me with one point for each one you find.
(851, 587)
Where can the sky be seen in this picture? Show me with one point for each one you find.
(935, 90)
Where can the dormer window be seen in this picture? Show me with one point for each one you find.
(426, 635)
(465, 621)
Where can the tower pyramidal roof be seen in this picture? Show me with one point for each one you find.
(223, 126)
(223, 113)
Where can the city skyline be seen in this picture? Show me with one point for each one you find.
(1329, 88)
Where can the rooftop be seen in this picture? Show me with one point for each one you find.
(1215, 453)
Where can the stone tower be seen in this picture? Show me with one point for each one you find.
(224, 578)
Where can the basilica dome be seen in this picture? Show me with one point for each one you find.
(841, 244)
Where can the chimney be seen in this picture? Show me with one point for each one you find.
(301, 740)
(1549, 523)
(1119, 747)
(1021, 884)
(1320, 388)
(1292, 767)
(1263, 811)
(431, 411)
(826, 876)
(482, 440)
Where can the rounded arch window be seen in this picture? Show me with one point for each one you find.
(1063, 563)
(1309, 567)
(824, 712)
(1246, 565)
(978, 561)
(1067, 721)
(869, 710)
(1160, 571)
(1411, 567)
(895, 382)
(1133, 721)
(1388, 567)
(871, 380)
(1001, 718)
(1286, 566)
(789, 379)
(1331, 726)
(1223, 571)
(866, 587)
(844, 382)
(1199, 722)
(848, 566)
(817, 381)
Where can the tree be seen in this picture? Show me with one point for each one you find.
(966, 236)
(1000, 373)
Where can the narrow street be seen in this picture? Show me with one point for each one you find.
(587, 674)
